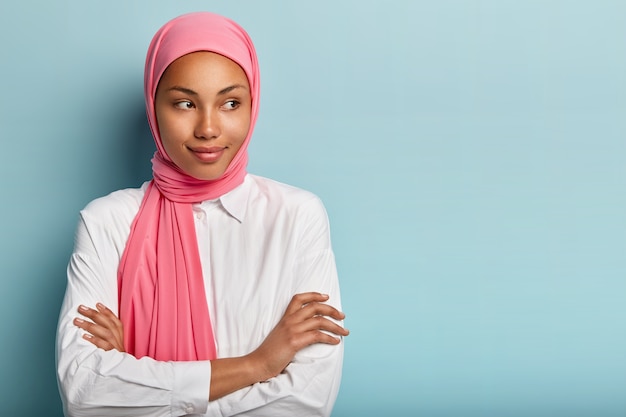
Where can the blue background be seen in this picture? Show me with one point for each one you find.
(471, 155)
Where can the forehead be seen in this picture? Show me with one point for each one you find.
(205, 68)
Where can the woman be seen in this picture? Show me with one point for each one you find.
(224, 282)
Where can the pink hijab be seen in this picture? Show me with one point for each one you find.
(162, 299)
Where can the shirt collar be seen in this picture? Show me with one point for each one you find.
(235, 202)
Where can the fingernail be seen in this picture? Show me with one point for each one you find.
(87, 336)
(78, 321)
(82, 308)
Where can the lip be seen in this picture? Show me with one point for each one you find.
(208, 154)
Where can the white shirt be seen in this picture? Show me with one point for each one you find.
(259, 244)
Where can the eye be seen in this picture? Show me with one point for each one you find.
(184, 105)
(231, 104)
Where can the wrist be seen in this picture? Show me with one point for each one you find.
(257, 367)
(231, 374)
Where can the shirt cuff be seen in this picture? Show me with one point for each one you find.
(191, 387)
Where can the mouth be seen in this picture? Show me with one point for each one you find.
(208, 154)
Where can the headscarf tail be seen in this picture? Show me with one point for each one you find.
(162, 298)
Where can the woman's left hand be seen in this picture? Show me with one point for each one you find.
(104, 330)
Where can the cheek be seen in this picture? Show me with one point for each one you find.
(170, 130)
(166, 141)
(242, 128)
(170, 141)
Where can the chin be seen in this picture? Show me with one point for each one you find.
(204, 172)
(206, 176)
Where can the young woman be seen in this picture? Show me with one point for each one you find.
(207, 290)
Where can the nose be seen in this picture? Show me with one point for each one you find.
(207, 125)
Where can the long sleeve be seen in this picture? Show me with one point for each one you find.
(96, 383)
(310, 383)
(259, 246)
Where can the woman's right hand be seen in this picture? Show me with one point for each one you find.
(305, 322)
(104, 329)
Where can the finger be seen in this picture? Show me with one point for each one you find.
(102, 344)
(83, 324)
(93, 328)
(314, 336)
(321, 337)
(110, 315)
(102, 316)
(98, 314)
(320, 323)
(92, 314)
(105, 311)
(319, 309)
(100, 336)
(302, 299)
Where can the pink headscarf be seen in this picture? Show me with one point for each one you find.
(162, 299)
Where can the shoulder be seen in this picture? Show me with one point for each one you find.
(300, 211)
(118, 207)
(104, 224)
(285, 196)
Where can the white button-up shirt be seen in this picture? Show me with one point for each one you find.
(259, 244)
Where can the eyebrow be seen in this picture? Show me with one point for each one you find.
(219, 93)
(229, 89)
(183, 90)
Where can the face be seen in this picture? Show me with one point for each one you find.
(203, 107)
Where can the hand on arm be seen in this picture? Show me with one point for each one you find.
(305, 322)
(104, 330)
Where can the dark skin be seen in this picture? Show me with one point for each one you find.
(304, 323)
(203, 99)
(104, 330)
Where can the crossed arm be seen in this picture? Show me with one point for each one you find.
(306, 321)
(294, 350)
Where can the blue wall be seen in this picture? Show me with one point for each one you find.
(471, 155)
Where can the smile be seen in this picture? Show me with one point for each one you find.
(208, 155)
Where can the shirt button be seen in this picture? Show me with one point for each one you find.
(200, 215)
(189, 410)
